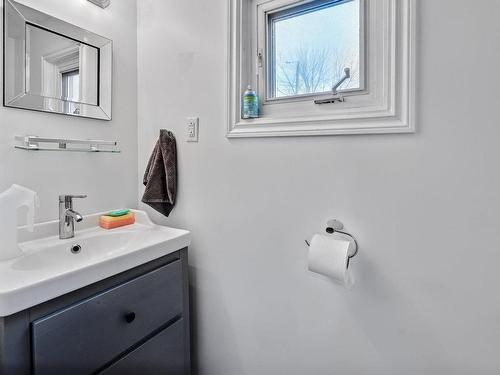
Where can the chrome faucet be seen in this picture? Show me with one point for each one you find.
(67, 216)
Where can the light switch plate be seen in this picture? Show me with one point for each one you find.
(192, 129)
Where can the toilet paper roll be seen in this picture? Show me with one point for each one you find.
(328, 256)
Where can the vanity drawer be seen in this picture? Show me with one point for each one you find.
(163, 354)
(83, 337)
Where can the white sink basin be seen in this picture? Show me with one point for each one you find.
(51, 267)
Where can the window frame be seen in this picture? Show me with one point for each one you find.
(67, 84)
(269, 72)
(386, 105)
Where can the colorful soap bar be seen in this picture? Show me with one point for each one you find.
(110, 222)
(116, 213)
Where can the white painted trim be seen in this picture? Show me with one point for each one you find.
(388, 108)
(53, 65)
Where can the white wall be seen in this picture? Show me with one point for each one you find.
(109, 180)
(424, 207)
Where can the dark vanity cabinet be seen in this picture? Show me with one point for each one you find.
(136, 322)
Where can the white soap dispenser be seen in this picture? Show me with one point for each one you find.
(10, 201)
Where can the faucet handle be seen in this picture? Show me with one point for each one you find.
(64, 198)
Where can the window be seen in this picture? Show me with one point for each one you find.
(293, 52)
(309, 47)
(71, 85)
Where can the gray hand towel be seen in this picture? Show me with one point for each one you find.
(160, 177)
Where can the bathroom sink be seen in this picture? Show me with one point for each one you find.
(52, 253)
(50, 267)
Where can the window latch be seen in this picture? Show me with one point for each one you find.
(337, 97)
(260, 57)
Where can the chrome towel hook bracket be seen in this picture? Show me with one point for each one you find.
(336, 226)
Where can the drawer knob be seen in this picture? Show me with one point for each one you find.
(130, 317)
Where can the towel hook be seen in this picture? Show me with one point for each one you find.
(336, 226)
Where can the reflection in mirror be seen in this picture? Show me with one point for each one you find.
(71, 85)
(61, 68)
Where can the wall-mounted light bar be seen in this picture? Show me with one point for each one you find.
(102, 3)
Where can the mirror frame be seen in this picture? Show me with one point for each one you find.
(24, 99)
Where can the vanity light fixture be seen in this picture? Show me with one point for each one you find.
(102, 3)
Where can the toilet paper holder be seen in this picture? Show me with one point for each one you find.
(336, 226)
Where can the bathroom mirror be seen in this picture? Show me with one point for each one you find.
(53, 66)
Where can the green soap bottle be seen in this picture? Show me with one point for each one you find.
(249, 104)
